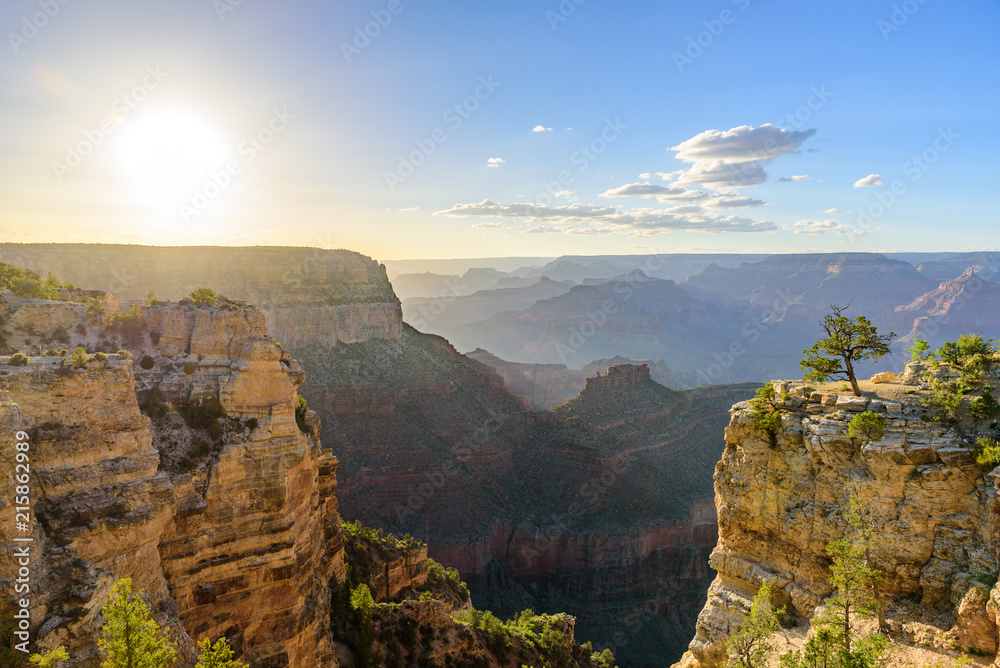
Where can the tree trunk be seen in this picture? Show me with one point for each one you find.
(850, 375)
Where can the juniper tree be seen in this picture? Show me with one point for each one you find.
(847, 342)
(751, 646)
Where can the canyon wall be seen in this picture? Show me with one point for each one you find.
(239, 540)
(780, 505)
(308, 295)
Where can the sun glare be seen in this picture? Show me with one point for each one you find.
(168, 155)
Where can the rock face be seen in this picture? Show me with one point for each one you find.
(548, 385)
(965, 304)
(779, 506)
(242, 545)
(308, 295)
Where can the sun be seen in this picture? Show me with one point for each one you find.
(169, 154)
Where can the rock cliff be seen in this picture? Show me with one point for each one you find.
(226, 517)
(308, 295)
(780, 504)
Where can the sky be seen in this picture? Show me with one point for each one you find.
(411, 129)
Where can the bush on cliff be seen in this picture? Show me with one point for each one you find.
(203, 297)
(986, 407)
(79, 358)
(867, 427)
(19, 359)
(49, 659)
(987, 453)
(219, 655)
(764, 411)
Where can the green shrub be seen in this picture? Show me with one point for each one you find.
(147, 362)
(919, 349)
(190, 368)
(79, 358)
(763, 410)
(101, 357)
(868, 427)
(985, 407)
(300, 414)
(960, 352)
(51, 352)
(987, 453)
(124, 355)
(19, 359)
(203, 297)
(60, 335)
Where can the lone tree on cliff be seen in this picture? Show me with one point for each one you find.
(219, 655)
(847, 341)
(130, 637)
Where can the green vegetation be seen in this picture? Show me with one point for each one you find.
(28, 283)
(763, 409)
(987, 453)
(918, 351)
(847, 342)
(203, 297)
(124, 355)
(300, 414)
(867, 427)
(49, 659)
(79, 358)
(147, 362)
(986, 407)
(18, 359)
(752, 646)
(964, 351)
(190, 368)
(60, 335)
(219, 655)
(130, 637)
(130, 324)
(203, 415)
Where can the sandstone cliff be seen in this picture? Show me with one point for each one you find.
(240, 543)
(780, 505)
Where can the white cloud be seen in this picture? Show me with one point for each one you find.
(833, 210)
(663, 193)
(666, 176)
(736, 158)
(721, 174)
(794, 179)
(409, 209)
(495, 162)
(589, 219)
(734, 202)
(868, 181)
(825, 227)
(490, 225)
(541, 128)
(742, 144)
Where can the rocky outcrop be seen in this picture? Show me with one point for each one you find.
(780, 505)
(308, 295)
(241, 543)
(620, 375)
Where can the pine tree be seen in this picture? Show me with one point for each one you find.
(219, 655)
(846, 342)
(130, 637)
(751, 646)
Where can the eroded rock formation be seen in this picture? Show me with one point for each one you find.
(781, 504)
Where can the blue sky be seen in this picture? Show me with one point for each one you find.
(278, 124)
